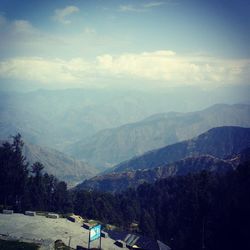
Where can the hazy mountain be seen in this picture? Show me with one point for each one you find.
(111, 146)
(60, 165)
(219, 142)
(57, 118)
(63, 167)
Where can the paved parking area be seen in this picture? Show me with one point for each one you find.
(47, 231)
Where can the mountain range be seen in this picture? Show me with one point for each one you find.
(58, 118)
(112, 146)
(219, 149)
(102, 128)
(219, 142)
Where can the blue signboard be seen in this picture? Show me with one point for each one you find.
(95, 232)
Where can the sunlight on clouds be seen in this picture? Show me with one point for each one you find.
(167, 66)
(43, 70)
(162, 65)
(159, 53)
(61, 14)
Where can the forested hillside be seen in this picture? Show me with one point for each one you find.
(24, 186)
(58, 164)
(204, 210)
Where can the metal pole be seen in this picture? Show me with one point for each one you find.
(100, 244)
(69, 240)
(89, 241)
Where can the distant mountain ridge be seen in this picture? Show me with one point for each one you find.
(219, 149)
(118, 182)
(57, 118)
(219, 142)
(112, 146)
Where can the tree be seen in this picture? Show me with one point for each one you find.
(13, 173)
(38, 191)
(37, 168)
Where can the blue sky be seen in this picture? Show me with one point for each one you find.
(78, 43)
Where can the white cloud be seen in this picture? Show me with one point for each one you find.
(140, 7)
(21, 38)
(89, 30)
(169, 67)
(43, 70)
(61, 15)
(131, 8)
(159, 53)
(16, 26)
(165, 66)
(23, 27)
(152, 4)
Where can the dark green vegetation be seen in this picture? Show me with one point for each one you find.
(14, 245)
(112, 146)
(58, 164)
(24, 187)
(188, 212)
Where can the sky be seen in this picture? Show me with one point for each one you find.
(97, 43)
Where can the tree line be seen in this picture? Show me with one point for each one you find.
(27, 187)
(197, 211)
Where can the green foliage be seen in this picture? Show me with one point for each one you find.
(205, 210)
(13, 173)
(197, 211)
(27, 188)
